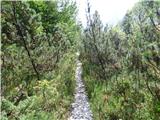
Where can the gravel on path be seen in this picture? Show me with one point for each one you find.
(80, 107)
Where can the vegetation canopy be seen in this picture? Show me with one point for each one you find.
(121, 63)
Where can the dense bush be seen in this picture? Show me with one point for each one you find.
(38, 46)
(121, 64)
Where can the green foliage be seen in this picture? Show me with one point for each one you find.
(109, 101)
(38, 43)
(121, 64)
(51, 99)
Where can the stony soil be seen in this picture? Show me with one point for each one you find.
(80, 107)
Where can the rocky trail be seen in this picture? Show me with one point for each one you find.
(80, 107)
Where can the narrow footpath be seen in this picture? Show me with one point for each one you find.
(80, 107)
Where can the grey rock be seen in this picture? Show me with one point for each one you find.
(80, 107)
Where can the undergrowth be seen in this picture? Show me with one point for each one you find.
(118, 99)
(51, 98)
